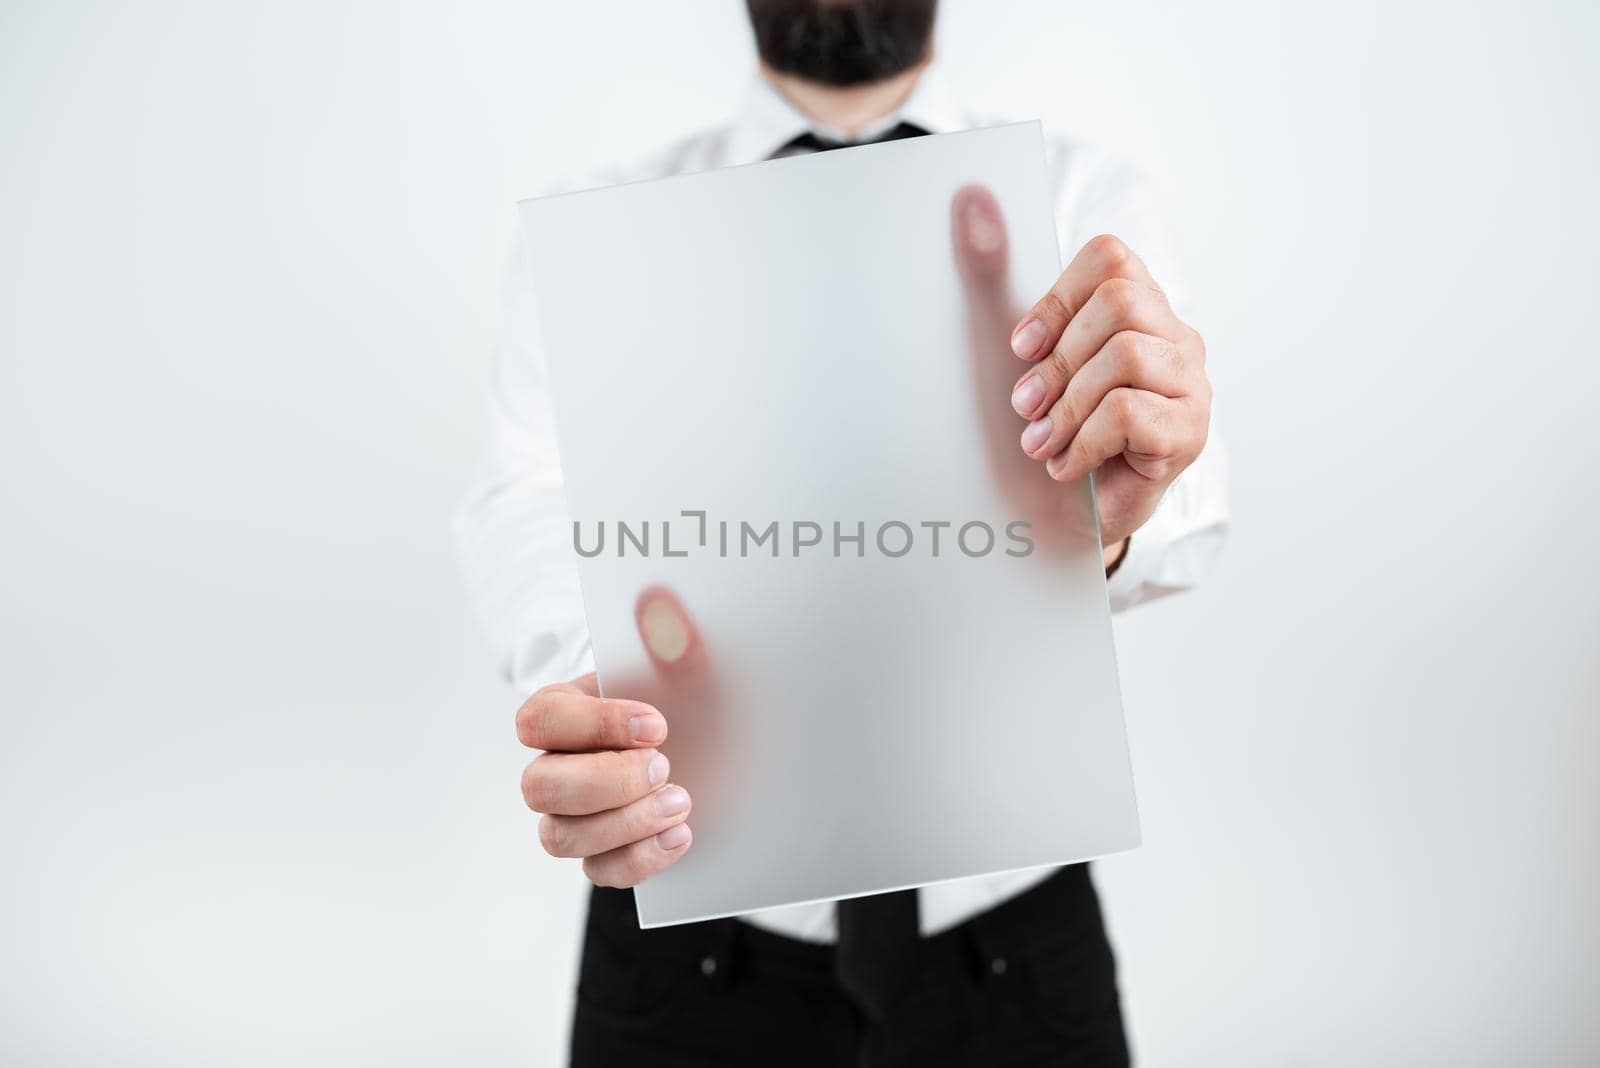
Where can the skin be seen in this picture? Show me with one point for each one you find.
(601, 783)
(1110, 382)
(849, 109)
(1114, 383)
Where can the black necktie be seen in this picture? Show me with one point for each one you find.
(809, 142)
(878, 937)
(877, 950)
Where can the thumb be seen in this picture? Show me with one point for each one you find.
(668, 631)
(979, 232)
(983, 257)
(982, 254)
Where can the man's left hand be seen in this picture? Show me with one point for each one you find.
(1117, 387)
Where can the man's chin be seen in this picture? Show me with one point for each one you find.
(842, 43)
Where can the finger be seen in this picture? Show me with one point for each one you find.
(1102, 258)
(563, 717)
(1123, 499)
(979, 232)
(576, 784)
(1129, 358)
(585, 836)
(668, 631)
(633, 864)
(1117, 305)
(1150, 429)
(981, 251)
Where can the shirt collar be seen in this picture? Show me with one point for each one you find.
(767, 121)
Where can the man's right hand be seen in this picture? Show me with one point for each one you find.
(601, 783)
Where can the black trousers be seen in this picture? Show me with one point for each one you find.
(1030, 982)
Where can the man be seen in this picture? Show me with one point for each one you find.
(1011, 969)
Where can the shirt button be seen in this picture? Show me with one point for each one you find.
(708, 966)
(998, 966)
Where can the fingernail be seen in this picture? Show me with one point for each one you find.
(1056, 463)
(1026, 397)
(658, 770)
(1035, 434)
(1026, 342)
(666, 633)
(649, 727)
(674, 837)
(671, 800)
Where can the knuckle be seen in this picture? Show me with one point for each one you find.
(538, 787)
(634, 778)
(1123, 404)
(1071, 457)
(638, 820)
(1120, 297)
(652, 859)
(542, 726)
(605, 726)
(637, 863)
(1163, 436)
(555, 835)
(1052, 309)
(530, 718)
(596, 872)
(627, 773)
(538, 720)
(643, 820)
(1111, 252)
(1067, 409)
(1055, 367)
(620, 868)
(1127, 352)
(1177, 362)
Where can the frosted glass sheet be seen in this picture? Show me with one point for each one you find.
(797, 342)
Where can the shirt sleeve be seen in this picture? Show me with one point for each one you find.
(1182, 540)
(513, 531)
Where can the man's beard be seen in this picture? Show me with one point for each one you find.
(843, 42)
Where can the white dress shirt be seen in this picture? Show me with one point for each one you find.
(514, 533)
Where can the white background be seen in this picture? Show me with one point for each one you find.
(260, 786)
